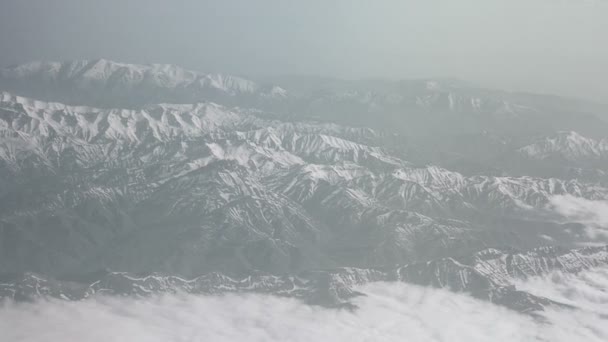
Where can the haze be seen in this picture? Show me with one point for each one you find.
(550, 46)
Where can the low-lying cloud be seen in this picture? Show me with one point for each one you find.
(587, 291)
(593, 214)
(389, 312)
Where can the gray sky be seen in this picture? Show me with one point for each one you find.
(554, 46)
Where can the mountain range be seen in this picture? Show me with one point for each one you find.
(132, 179)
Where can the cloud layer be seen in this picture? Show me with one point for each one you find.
(390, 312)
(593, 214)
(585, 291)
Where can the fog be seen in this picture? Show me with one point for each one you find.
(389, 312)
(548, 46)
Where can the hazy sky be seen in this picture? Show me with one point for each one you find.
(555, 46)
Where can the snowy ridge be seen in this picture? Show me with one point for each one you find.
(121, 75)
(490, 274)
(334, 288)
(110, 84)
(160, 122)
(569, 146)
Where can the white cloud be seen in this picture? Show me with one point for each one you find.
(390, 312)
(593, 214)
(586, 291)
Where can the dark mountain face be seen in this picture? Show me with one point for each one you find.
(173, 173)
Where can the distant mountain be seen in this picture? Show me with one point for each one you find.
(111, 84)
(568, 146)
(159, 170)
(565, 154)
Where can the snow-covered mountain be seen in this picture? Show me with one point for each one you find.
(111, 84)
(109, 73)
(159, 170)
(569, 146)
